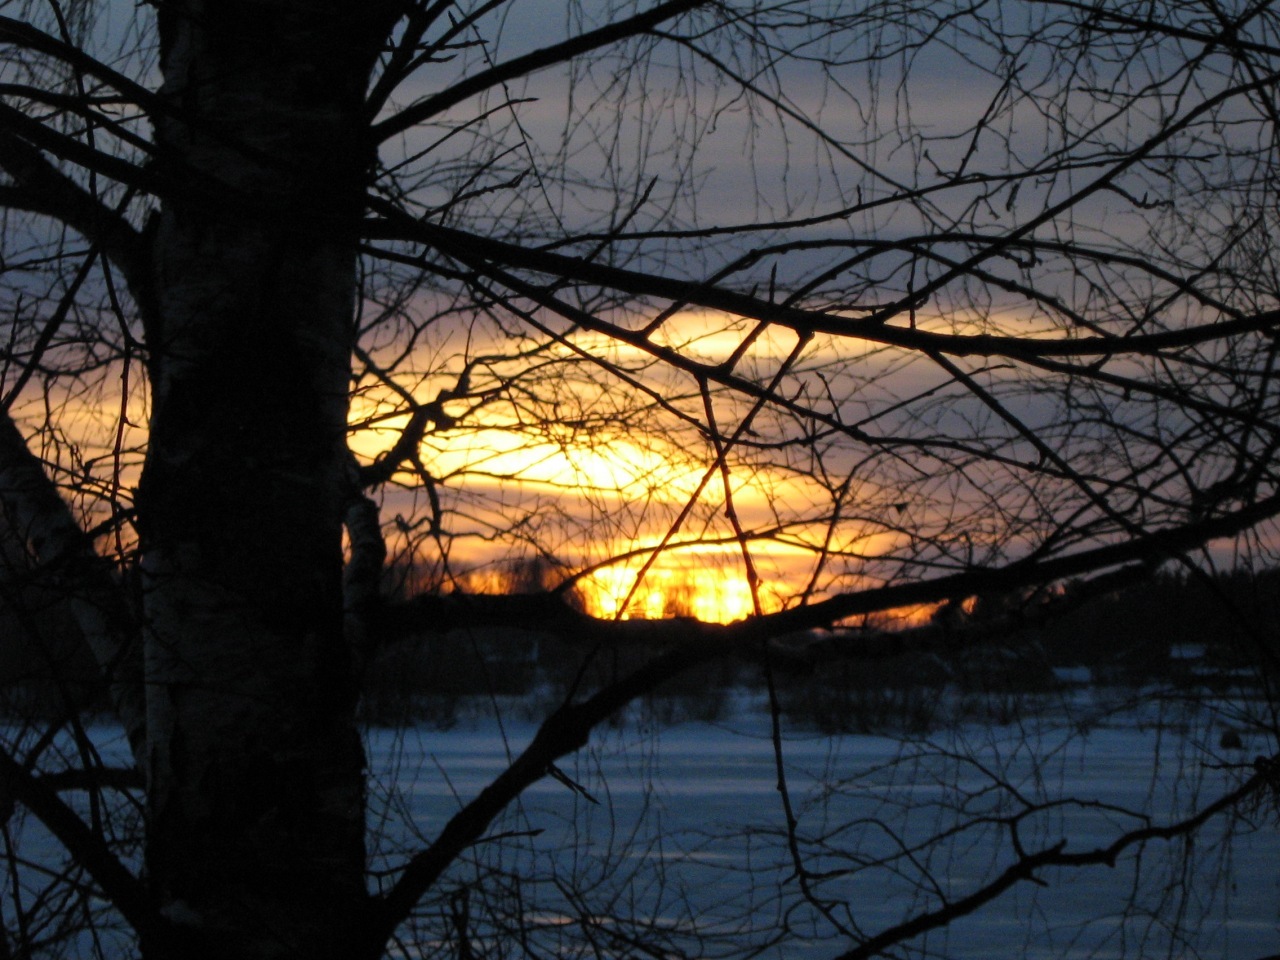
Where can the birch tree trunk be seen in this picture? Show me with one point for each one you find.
(255, 770)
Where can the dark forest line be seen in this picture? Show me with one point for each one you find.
(1215, 633)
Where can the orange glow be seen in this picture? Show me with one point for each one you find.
(713, 593)
(615, 466)
(617, 485)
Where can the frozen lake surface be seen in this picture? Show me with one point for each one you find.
(672, 841)
(685, 843)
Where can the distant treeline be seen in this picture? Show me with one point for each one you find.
(1212, 632)
(1175, 622)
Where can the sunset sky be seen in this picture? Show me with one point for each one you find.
(547, 455)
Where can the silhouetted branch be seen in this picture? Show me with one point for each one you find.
(28, 36)
(125, 891)
(1028, 865)
(38, 515)
(41, 188)
(530, 63)
(14, 122)
(549, 613)
(96, 778)
(564, 732)
(452, 242)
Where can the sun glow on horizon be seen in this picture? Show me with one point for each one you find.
(708, 584)
(591, 474)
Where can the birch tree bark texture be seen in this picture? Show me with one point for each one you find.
(255, 774)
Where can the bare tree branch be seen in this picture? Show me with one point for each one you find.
(88, 847)
(39, 187)
(531, 62)
(1027, 866)
(41, 519)
(454, 242)
(549, 613)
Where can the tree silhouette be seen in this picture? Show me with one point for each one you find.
(879, 307)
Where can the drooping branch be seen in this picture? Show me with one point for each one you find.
(530, 63)
(1153, 548)
(458, 243)
(97, 778)
(29, 37)
(64, 147)
(422, 416)
(125, 891)
(1230, 36)
(723, 374)
(1028, 865)
(564, 732)
(38, 186)
(689, 644)
(549, 613)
